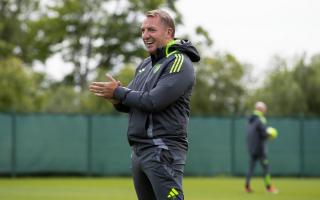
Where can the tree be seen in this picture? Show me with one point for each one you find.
(292, 90)
(282, 94)
(17, 37)
(219, 89)
(95, 33)
(21, 89)
(308, 78)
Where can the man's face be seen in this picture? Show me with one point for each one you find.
(263, 109)
(155, 34)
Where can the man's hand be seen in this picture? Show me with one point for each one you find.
(105, 89)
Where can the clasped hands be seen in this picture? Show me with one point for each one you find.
(105, 89)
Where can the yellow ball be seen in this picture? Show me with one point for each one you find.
(272, 132)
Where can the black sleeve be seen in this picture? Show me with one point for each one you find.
(173, 83)
(120, 106)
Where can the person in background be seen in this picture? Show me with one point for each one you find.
(257, 135)
(157, 101)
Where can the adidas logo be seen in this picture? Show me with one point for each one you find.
(173, 193)
(141, 70)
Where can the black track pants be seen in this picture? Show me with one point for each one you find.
(157, 173)
(252, 162)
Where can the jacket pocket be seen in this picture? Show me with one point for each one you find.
(137, 121)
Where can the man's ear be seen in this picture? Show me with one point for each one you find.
(170, 32)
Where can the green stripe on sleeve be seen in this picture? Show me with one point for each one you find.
(176, 66)
(182, 58)
(174, 63)
(178, 63)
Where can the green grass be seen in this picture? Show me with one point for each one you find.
(216, 188)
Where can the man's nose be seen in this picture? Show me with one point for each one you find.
(145, 35)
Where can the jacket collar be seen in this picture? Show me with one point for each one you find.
(160, 53)
(261, 116)
(163, 52)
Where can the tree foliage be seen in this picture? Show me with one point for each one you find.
(104, 35)
(219, 89)
(292, 90)
(17, 36)
(20, 87)
(95, 33)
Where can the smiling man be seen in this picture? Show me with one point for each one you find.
(157, 100)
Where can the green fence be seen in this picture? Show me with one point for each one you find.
(97, 145)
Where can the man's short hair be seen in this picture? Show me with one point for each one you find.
(165, 18)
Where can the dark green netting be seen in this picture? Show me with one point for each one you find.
(5, 142)
(97, 145)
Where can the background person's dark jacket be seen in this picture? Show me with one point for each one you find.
(256, 136)
(158, 97)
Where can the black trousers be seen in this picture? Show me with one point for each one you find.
(264, 164)
(157, 173)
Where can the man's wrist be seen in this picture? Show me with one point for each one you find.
(120, 93)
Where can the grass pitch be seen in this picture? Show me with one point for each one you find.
(213, 188)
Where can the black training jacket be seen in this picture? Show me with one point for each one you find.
(158, 97)
(256, 136)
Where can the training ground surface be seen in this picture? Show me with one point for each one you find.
(214, 188)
